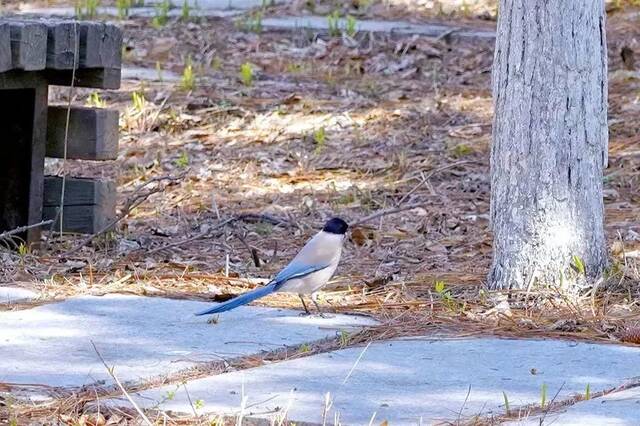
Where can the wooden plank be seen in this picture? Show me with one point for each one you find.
(89, 205)
(62, 44)
(23, 120)
(28, 45)
(93, 133)
(5, 47)
(100, 45)
(101, 78)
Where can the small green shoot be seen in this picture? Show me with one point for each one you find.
(506, 402)
(305, 348)
(319, 137)
(96, 101)
(578, 264)
(185, 13)
(123, 7)
(344, 338)
(159, 71)
(87, 9)
(188, 79)
(246, 74)
(543, 395)
(162, 14)
(587, 393)
(350, 27)
(445, 295)
(333, 24)
(198, 404)
(182, 161)
(461, 150)
(23, 250)
(170, 395)
(139, 101)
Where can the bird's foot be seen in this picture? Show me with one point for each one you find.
(304, 314)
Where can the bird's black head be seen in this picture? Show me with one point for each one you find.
(336, 226)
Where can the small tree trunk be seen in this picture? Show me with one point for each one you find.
(550, 141)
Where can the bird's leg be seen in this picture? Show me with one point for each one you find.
(314, 299)
(304, 305)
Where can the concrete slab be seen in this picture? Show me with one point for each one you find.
(136, 12)
(410, 381)
(148, 74)
(231, 8)
(217, 4)
(399, 27)
(616, 409)
(9, 295)
(142, 337)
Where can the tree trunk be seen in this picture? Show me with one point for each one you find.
(550, 141)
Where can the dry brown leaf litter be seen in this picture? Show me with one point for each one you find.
(406, 120)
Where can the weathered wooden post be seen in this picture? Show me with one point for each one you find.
(33, 55)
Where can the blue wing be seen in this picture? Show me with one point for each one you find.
(292, 271)
(295, 270)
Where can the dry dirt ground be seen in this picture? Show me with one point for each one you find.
(229, 174)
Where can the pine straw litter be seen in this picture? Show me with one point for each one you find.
(240, 175)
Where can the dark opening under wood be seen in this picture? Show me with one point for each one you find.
(16, 144)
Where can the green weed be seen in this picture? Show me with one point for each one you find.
(139, 101)
(578, 264)
(96, 101)
(333, 24)
(350, 27)
(246, 74)
(161, 14)
(188, 79)
(87, 9)
(319, 138)
(506, 402)
(123, 7)
(185, 13)
(182, 161)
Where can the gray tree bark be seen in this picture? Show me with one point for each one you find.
(550, 140)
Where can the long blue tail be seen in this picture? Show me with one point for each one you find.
(241, 300)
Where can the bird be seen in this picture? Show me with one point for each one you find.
(307, 273)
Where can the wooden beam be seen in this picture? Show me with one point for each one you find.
(62, 44)
(28, 45)
(89, 205)
(93, 133)
(100, 45)
(5, 47)
(98, 78)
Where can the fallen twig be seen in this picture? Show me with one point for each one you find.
(250, 217)
(386, 212)
(21, 229)
(124, 391)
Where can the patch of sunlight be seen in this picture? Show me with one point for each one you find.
(278, 185)
(480, 107)
(559, 235)
(591, 380)
(285, 123)
(17, 336)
